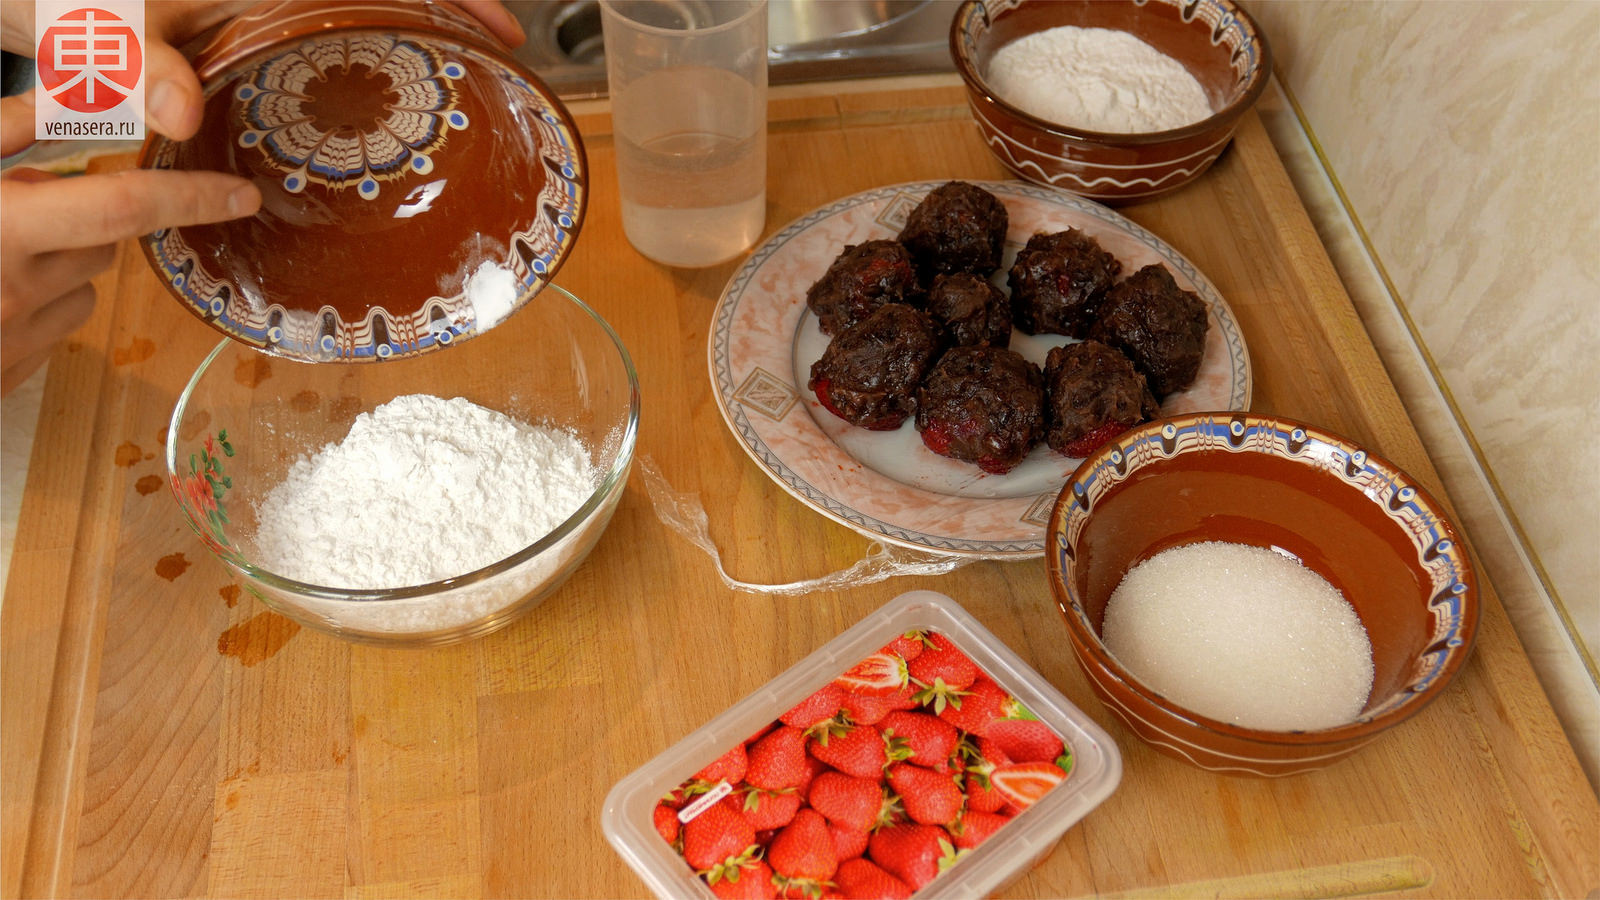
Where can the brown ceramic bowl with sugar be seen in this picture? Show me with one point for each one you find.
(1350, 516)
(1215, 40)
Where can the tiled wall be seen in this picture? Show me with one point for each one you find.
(1465, 138)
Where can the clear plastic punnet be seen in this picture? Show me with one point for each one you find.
(1026, 765)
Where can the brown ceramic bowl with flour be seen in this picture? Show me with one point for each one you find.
(1353, 518)
(247, 420)
(1217, 42)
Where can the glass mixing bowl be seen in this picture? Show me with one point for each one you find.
(246, 417)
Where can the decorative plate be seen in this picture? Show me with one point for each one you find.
(418, 184)
(887, 485)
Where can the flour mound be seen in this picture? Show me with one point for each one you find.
(1097, 79)
(421, 489)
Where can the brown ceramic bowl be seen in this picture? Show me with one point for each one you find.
(1215, 40)
(418, 183)
(1350, 516)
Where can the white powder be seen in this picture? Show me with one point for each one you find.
(420, 490)
(1097, 79)
(1241, 634)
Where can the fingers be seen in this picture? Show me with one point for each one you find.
(495, 17)
(16, 122)
(15, 370)
(173, 101)
(103, 209)
(47, 325)
(58, 273)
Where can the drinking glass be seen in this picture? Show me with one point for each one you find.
(688, 86)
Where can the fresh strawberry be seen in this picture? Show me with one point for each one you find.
(747, 878)
(717, 834)
(847, 842)
(676, 798)
(1026, 740)
(914, 853)
(855, 803)
(769, 809)
(803, 850)
(991, 752)
(972, 711)
(981, 795)
(973, 828)
(852, 749)
(728, 767)
(760, 733)
(908, 645)
(814, 767)
(778, 760)
(869, 709)
(929, 798)
(942, 661)
(860, 879)
(666, 822)
(1093, 441)
(819, 707)
(1024, 783)
(929, 740)
(880, 673)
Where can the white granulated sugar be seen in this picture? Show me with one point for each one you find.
(1097, 79)
(1241, 634)
(420, 490)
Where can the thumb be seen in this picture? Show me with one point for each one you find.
(16, 122)
(173, 100)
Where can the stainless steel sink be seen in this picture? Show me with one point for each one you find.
(808, 40)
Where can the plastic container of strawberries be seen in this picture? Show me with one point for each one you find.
(1090, 768)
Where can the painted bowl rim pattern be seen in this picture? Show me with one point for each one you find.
(1228, 18)
(614, 478)
(1454, 602)
(258, 36)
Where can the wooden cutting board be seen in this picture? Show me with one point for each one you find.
(165, 736)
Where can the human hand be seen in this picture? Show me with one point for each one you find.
(57, 233)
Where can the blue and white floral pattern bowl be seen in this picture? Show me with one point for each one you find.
(419, 185)
(1349, 515)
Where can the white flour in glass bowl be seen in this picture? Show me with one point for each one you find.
(424, 489)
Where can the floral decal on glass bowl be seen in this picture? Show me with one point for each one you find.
(201, 491)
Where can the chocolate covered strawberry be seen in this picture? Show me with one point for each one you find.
(778, 760)
(928, 796)
(860, 879)
(913, 853)
(716, 835)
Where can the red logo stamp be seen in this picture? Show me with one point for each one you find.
(90, 60)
